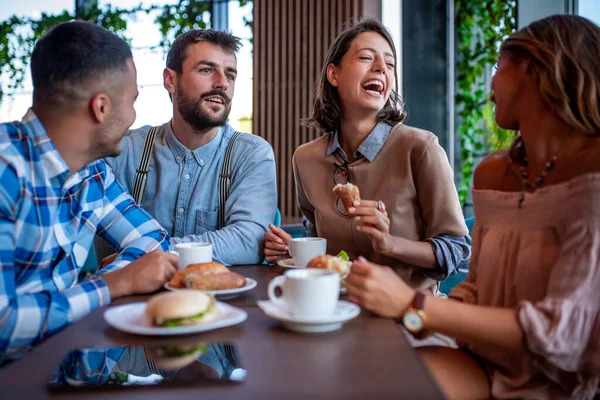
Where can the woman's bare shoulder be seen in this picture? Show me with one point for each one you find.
(491, 170)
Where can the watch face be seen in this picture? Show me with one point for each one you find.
(412, 321)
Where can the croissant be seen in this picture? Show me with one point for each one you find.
(214, 281)
(349, 193)
(207, 276)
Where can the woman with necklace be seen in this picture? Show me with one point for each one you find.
(410, 216)
(528, 312)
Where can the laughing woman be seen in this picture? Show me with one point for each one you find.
(410, 216)
(528, 313)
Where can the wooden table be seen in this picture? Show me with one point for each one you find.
(367, 359)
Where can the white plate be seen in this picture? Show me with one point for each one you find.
(344, 311)
(288, 263)
(130, 318)
(225, 293)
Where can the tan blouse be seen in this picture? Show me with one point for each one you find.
(544, 261)
(410, 173)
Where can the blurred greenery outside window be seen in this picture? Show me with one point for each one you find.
(149, 26)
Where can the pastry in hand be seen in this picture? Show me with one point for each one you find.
(349, 193)
(207, 276)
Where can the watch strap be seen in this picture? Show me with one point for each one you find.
(418, 305)
(418, 301)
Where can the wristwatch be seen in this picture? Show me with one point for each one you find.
(414, 318)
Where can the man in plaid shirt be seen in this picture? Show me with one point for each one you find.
(55, 193)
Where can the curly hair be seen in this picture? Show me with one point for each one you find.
(326, 111)
(563, 54)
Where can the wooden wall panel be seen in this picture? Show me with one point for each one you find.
(291, 38)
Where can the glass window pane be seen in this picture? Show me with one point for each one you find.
(590, 9)
(241, 109)
(15, 108)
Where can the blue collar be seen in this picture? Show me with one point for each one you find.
(55, 166)
(369, 148)
(202, 154)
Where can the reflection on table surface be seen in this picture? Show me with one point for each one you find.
(368, 358)
(149, 365)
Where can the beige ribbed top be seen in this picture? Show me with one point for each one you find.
(410, 174)
(544, 261)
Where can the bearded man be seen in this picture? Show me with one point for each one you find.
(202, 180)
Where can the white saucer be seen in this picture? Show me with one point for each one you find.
(344, 311)
(288, 263)
(130, 318)
(221, 294)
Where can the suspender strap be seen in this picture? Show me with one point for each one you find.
(225, 178)
(141, 174)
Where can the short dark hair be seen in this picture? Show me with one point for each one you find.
(71, 56)
(327, 111)
(178, 51)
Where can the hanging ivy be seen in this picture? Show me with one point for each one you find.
(481, 26)
(18, 35)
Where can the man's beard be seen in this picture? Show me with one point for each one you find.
(193, 113)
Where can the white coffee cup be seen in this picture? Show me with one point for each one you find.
(307, 293)
(303, 250)
(192, 253)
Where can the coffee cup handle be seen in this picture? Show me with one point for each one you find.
(275, 283)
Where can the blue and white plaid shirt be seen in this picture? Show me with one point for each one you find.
(48, 219)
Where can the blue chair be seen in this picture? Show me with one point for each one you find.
(470, 222)
(277, 221)
(296, 230)
(91, 264)
(450, 282)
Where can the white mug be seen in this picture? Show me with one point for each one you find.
(307, 293)
(303, 250)
(193, 253)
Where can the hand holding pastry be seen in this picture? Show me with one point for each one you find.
(348, 193)
(376, 223)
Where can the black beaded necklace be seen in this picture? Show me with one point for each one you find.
(517, 156)
(538, 181)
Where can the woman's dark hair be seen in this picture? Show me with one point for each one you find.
(327, 110)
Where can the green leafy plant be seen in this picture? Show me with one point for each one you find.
(497, 138)
(481, 26)
(18, 34)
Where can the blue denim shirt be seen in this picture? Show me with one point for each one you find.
(452, 253)
(182, 190)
